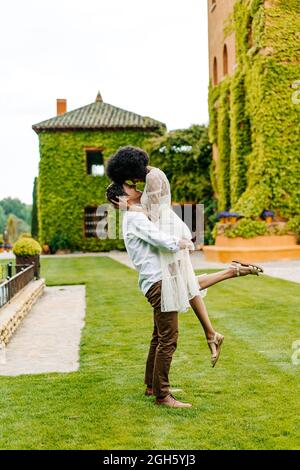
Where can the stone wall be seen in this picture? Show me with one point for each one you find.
(12, 314)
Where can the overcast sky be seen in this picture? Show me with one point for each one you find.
(146, 56)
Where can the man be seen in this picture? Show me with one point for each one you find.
(143, 242)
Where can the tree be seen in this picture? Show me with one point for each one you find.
(12, 228)
(2, 220)
(34, 214)
(16, 207)
(15, 227)
(185, 155)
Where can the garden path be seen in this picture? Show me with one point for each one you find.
(49, 337)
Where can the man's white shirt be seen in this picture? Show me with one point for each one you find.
(143, 242)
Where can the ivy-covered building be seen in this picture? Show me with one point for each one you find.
(254, 102)
(74, 147)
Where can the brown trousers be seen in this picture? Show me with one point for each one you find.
(163, 344)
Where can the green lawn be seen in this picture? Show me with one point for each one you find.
(251, 400)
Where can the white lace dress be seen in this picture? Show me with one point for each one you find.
(179, 282)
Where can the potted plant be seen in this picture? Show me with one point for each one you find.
(27, 251)
(233, 217)
(7, 246)
(268, 216)
(223, 216)
(46, 249)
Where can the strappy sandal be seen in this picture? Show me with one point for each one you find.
(215, 346)
(254, 269)
(241, 270)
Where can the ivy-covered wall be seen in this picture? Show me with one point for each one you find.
(259, 162)
(223, 139)
(65, 188)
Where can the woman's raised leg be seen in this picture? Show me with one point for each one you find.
(208, 280)
(213, 338)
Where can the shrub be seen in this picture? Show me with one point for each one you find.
(294, 226)
(247, 228)
(59, 242)
(27, 247)
(185, 156)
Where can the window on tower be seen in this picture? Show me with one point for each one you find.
(213, 5)
(215, 72)
(225, 60)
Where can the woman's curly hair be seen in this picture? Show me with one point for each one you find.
(127, 163)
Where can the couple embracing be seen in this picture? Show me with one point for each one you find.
(158, 243)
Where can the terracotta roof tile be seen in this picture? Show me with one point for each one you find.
(98, 115)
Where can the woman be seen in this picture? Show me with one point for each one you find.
(180, 287)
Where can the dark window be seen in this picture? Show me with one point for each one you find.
(94, 163)
(213, 5)
(225, 60)
(95, 222)
(215, 72)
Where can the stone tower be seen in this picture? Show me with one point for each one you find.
(254, 105)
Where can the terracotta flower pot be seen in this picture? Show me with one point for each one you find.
(233, 220)
(269, 220)
(63, 251)
(46, 249)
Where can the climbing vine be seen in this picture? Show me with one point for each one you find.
(240, 138)
(264, 138)
(65, 189)
(223, 133)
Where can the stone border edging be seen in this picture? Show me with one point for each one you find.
(12, 314)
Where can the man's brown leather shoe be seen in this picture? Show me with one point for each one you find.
(149, 392)
(171, 402)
